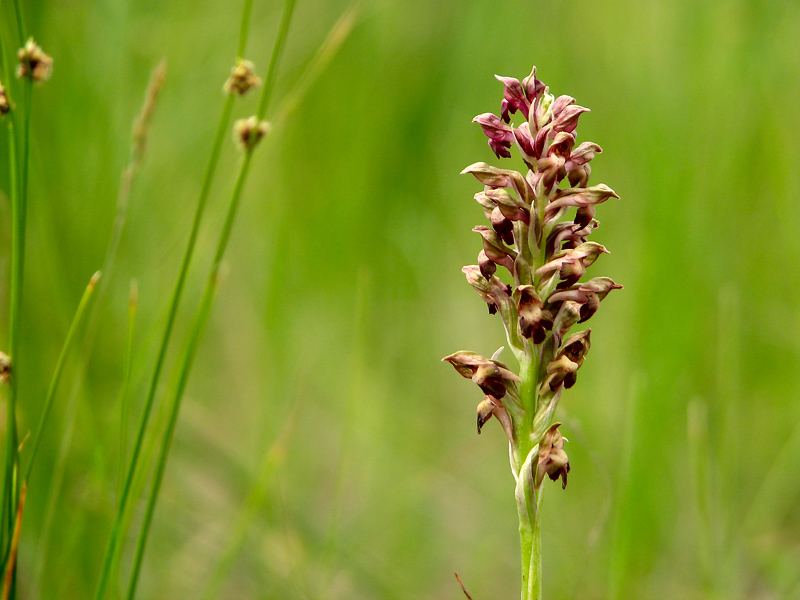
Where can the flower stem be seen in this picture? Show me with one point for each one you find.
(534, 590)
(528, 510)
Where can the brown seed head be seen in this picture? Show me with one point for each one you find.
(5, 367)
(248, 132)
(242, 79)
(33, 62)
(5, 105)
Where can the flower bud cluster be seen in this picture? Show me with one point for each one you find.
(542, 251)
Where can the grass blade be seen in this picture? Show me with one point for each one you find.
(207, 300)
(8, 579)
(62, 358)
(124, 396)
(115, 542)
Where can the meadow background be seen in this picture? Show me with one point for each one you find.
(318, 404)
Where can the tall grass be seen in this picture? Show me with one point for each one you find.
(318, 370)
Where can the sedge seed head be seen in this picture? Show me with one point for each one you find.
(33, 62)
(242, 78)
(248, 132)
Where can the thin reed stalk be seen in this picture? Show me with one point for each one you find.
(114, 546)
(59, 368)
(124, 395)
(206, 303)
(18, 170)
(139, 137)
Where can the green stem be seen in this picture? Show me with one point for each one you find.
(206, 303)
(529, 395)
(20, 23)
(11, 454)
(62, 358)
(114, 545)
(191, 349)
(529, 497)
(186, 362)
(124, 395)
(244, 28)
(533, 589)
(18, 188)
(277, 50)
(528, 510)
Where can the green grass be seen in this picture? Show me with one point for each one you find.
(321, 449)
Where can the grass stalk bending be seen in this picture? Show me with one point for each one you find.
(545, 256)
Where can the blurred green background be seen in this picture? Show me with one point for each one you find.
(319, 379)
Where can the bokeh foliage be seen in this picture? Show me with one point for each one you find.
(319, 375)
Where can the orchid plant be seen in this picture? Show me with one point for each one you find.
(546, 256)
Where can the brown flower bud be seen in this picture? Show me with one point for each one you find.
(485, 408)
(512, 209)
(534, 321)
(492, 376)
(242, 78)
(553, 461)
(487, 376)
(515, 98)
(588, 294)
(499, 178)
(586, 253)
(561, 103)
(551, 170)
(489, 175)
(562, 145)
(563, 370)
(491, 406)
(580, 197)
(503, 227)
(493, 291)
(486, 203)
(570, 234)
(486, 265)
(559, 372)
(525, 141)
(566, 119)
(568, 315)
(500, 134)
(571, 271)
(576, 346)
(579, 177)
(494, 249)
(582, 155)
(33, 62)
(532, 86)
